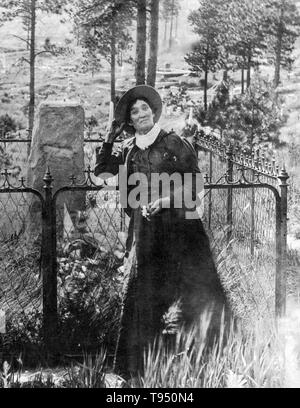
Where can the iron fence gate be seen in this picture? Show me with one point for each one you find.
(246, 205)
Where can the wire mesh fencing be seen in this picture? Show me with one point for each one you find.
(20, 274)
(247, 224)
(90, 251)
(14, 152)
(245, 248)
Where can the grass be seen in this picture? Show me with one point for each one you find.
(89, 374)
(239, 358)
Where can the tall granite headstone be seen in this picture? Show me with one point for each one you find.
(57, 144)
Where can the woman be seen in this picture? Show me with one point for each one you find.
(168, 250)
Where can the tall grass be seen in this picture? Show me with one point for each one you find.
(89, 374)
(239, 358)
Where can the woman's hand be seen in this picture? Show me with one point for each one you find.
(156, 206)
(114, 131)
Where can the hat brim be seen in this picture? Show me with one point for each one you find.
(139, 91)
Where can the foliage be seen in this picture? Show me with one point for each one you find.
(24, 337)
(177, 99)
(11, 378)
(216, 115)
(7, 124)
(238, 359)
(239, 34)
(11, 9)
(169, 8)
(248, 120)
(14, 8)
(89, 374)
(207, 54)
(8, 378)
(95, 18)
(247, 32)
(283, 28)
(28, 10)
(204, 57)
(89, 302)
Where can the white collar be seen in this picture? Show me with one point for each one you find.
(144, 141)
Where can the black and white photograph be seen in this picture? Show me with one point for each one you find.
(150, 196)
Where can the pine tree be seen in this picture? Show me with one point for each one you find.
(248, 35)
(250, 120)
(207, 54)
(170, 10)
(283, 28)
(28, 10)
(104, 30)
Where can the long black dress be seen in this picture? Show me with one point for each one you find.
(169, 255)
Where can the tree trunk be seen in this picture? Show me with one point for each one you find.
(242, 80)
(113, 62)
(278, 50)
(205, 79)
(32, 67)
(176, 26)
(225, 75)
(171, 25)
(165, 33)
(249, 71)
(152, 63)
(28, 37)
(205, 89)
(140, 63)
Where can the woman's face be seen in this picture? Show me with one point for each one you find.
(141, 117)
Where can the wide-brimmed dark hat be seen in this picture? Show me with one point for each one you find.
(139, 91)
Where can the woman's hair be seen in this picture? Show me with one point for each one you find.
(130, 105)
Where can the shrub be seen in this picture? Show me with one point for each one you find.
(24, 337)
(91, 122)
(7, 124)
(88, 303)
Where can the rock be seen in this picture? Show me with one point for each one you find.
(57, 144)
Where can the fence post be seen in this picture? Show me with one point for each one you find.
(252, 228)
(229, 176)
(29, 137)
(210, 191)
(49, 273)
(280, 289)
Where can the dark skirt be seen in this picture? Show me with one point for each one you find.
(169, 260)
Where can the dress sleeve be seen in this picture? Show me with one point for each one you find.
(186, 163)
(106, 161)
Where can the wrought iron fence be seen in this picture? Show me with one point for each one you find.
(246, 204)
(14, 150)
(20, 267)
(245, 211)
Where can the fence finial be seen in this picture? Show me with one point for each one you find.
(283, 175)
(48, 177)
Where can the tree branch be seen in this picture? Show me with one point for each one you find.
(45, 51)
(24, 59)
(22, 39)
